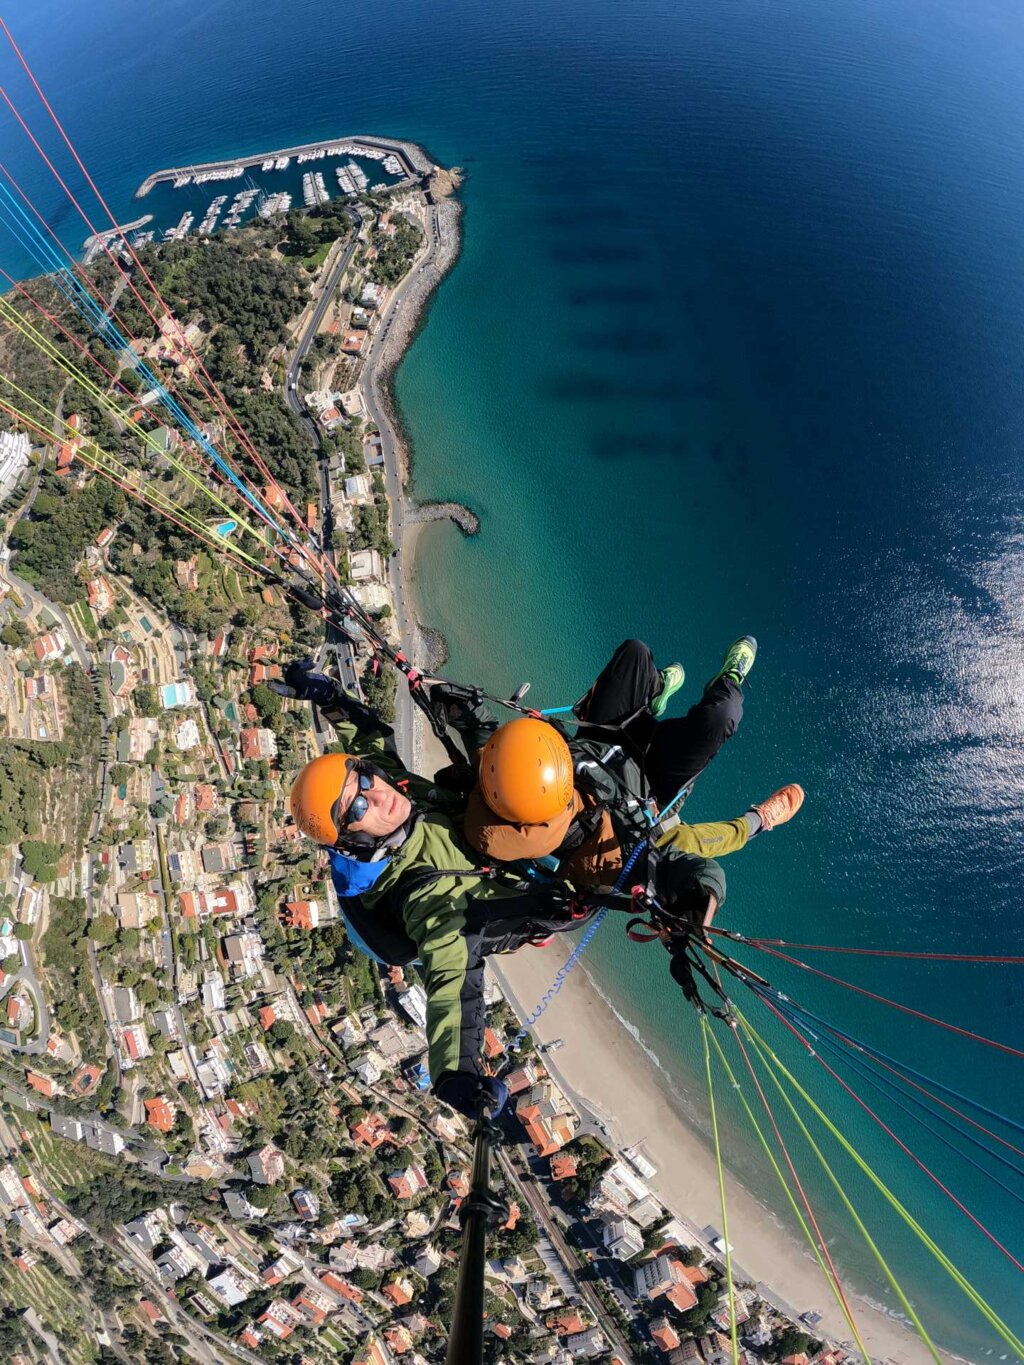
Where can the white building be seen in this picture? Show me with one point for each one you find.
(230, 1287)
(213, 994)
(14, 453)
(414, 1003)
(623, 1239)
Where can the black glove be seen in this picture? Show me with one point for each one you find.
(467, 1092)
(682, 975)
(301, 680)
(450, 699)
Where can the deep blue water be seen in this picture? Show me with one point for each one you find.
(733, 345)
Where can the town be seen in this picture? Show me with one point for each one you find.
(217, 1137)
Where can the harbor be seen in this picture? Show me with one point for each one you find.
(221, 196)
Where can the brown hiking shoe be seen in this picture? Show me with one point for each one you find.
(781, 805)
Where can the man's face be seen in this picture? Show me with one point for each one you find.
(386, 808)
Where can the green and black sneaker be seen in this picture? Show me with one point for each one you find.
(672, 679)
(738, 661)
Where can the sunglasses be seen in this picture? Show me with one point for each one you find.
(358, 806)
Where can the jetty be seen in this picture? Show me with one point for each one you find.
(93, 245)
(467, 521)
(413, 163)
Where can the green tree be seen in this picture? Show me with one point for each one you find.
(14, 633)
(103, 929)
(23, 932)
(146, 700)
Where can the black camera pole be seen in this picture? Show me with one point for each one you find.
(480, 1209)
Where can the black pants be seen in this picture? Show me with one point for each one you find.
(672, 751)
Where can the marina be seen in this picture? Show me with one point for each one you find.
(272, 183)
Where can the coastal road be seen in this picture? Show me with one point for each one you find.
(368, 385)
(344, 652)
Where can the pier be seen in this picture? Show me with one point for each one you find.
(414, 160)
(98, 241)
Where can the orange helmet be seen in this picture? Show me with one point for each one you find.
(314, 794)
(526, 772)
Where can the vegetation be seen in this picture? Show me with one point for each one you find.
(49, 541)
(70, 992)
(395, 253)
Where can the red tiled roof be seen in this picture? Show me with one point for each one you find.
(159, 1114)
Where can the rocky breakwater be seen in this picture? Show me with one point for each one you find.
(466, 520)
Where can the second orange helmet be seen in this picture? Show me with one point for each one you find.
(526, 772)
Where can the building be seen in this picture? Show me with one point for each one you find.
(101, 595)
(306, 1203)
(414, 1003)
(14, 454)
(545, 1114)
(687, 1353)
(623, 1239)
(302, 914)
(313, 1304)
(213, 994)
(160, 1113)
(105, 1140)
(399, 1291)
(230, 1286)
(408, 1183)
(658, 1275)
(280, 1320)
(428, 1262)
(12, 1192)
(398, 1338)
(136, 1046)
(584, 1345)
(186, 736)
(49, 647)
(371, 1353)
(64, 1126)
(366, 566)
(257, 744)
(43, 1084)
(239, 1207)
(664, 1335)
(267, 1165)
(126, 1004)
(86, 1079)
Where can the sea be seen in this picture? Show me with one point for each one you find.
(733, 345)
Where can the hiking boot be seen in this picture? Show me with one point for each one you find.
(672, 679)
(738, 661)
(780, 806)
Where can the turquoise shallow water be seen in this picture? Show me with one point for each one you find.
(733, 345)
